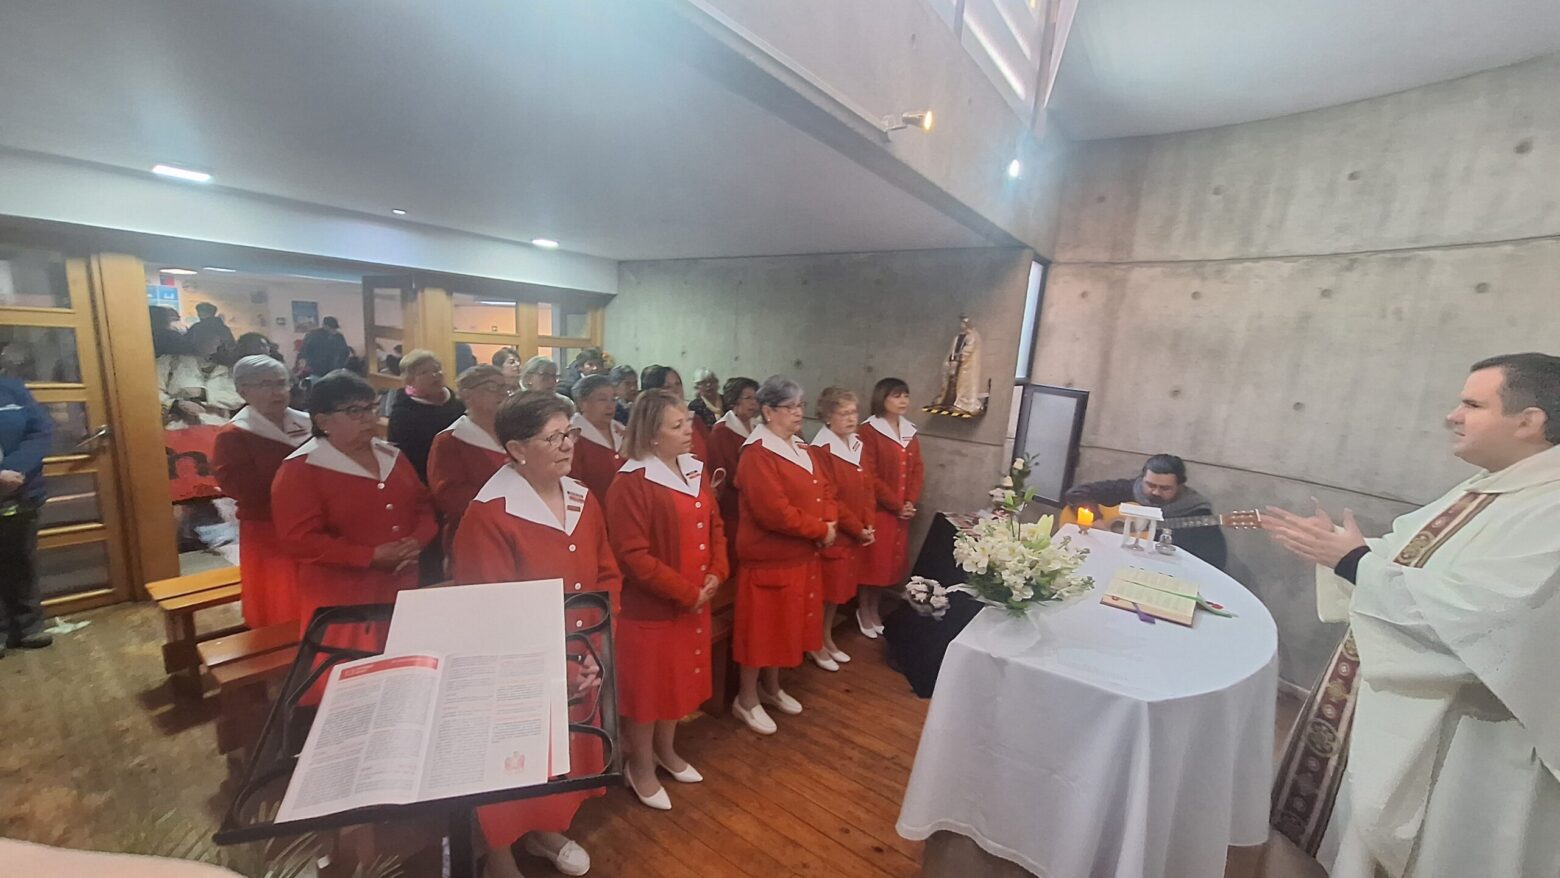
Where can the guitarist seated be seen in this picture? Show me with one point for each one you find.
(1162, 483)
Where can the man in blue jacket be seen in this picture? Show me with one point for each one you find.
(24, 440)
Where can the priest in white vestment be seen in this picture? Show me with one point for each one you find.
(1454, 758)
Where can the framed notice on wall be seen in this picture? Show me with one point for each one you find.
(305, 316)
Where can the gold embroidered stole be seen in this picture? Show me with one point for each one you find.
(1318, 749)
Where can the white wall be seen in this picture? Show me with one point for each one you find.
(264, 304)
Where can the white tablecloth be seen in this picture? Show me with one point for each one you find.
(1110, 747)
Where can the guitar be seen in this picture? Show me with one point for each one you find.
(1109, 517)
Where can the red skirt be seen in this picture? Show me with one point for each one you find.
(270, 576)
(663, 667)
(503, 824)
(885, 562)
(322, 586)
(778, 615)
(842, 573)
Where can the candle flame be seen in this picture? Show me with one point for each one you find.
(1085, 516)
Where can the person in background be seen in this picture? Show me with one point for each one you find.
(509, 364)
(196, 387)
(540, 375)
(466, 453)
(324, 349)
(167, 332)
(393, 361)
(666, 535)
(837, 449)
(667, 378)
(739, 397)
(706, 403)
(891, 455)
(421, 409)
(349, 508)
(248, 452)
(1161, 484)
(625, 385)
(253, 344)
(599, 454)
(206, 312)
(787, 516)
(589, 361)
(531, 521)
(465, 357)
(25, 436)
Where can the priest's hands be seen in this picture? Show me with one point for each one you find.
(1314, 537)
(707, 593)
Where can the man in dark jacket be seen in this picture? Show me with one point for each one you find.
(1162, 483)
(25, 430)
(325, 349)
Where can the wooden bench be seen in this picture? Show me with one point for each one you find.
(245, 668)
(180, 598)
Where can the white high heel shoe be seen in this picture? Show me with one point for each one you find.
(838, 656)
(687, 775)
(660, 801)
(868, 631)
(826, 662)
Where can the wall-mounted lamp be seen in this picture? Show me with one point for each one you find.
(922, 119)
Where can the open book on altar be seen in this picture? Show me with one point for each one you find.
(1153, 593)
(470, 696)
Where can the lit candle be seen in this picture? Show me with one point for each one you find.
(1085, 517)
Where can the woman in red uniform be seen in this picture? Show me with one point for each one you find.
(837, 449)
(666, 532)
(891, 455)
(249, 450)
(787, 516)
(669, 379)
(466, 453)
(740, 397)
(350, 508)
(531, 521)
(599, 454)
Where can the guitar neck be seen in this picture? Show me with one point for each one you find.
(1193, 521)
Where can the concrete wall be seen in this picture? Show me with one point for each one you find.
(847, 319)
(1292, 304)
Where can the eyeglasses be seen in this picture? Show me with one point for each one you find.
(788, 405)
(357, 412)
(556, 440)
(274, 384)
(494, 387)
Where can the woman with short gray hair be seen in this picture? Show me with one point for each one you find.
(248, 451)
(787, 516)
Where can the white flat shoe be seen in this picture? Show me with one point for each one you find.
(826, 662)
(780, 701)
(660, 801)
(687, 775)
(838, 656)
(570, 859)
(756, 719)
(868, 631)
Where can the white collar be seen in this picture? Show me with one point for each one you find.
(735, 425)
(795, 451)
(589, 431)
(907, 430)
(522, 501)
(846, 448)
(447, 393)
(657, 471)
(1529, 472)
(467, 431)
(319, 452)
(295, 430)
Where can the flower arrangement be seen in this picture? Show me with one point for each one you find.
(1014, 565)
(927, 597)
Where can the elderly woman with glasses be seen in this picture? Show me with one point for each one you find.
(248, 451)
(466, 454)
(531, 521)
(599, 454)
(422, 409)
(787, 516)
(350, 509)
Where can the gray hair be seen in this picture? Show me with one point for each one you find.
(256, 367)
(778, 390)
(621, 372)
(702, 375)
(536, 364)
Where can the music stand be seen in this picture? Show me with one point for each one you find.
(269, 771)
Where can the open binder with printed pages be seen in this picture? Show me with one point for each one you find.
(1155, 595)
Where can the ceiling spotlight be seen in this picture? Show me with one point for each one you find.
(544, 243)
(223, 270)
(180, 271)
(922, 119)
(398, 211)
(179, 173)
(1015, 170)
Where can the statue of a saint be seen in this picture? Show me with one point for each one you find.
(961, 375)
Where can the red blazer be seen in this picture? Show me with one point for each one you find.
(595, 464)
(897, 471)
(785, 509)
(644, 528)
(852, 489)
(458, 468)
(245, 463)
